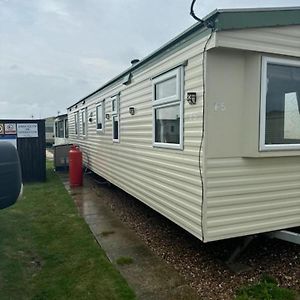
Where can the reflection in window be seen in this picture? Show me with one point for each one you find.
(282, 104)
(165, 89)
(76, 120)
(115, 128)
(291, 117)
(66, 128)
(167, 109)
(167, 124)
(83, 121)
(60, 129)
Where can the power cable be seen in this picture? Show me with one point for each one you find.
(192, 13)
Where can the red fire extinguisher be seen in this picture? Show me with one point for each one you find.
(75, 166)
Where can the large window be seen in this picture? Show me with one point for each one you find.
(76, 121)
(280, 104)
(100, 119)
(83, 121)
(167, 109)
(115, 118)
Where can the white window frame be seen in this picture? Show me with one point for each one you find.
(102, 104)
(76, 122)
(84, 112)
(115, 114)
(116, 111)
(263, 101)
(169, 101)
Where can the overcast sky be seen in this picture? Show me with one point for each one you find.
(54, 52)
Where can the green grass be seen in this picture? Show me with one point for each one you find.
(124, 260)
(48, 252)
(266, 289)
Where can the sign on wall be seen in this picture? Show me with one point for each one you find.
(12, 139)
(10, 128)
(27, 130)
(1, 128)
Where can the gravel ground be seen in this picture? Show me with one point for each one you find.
(201, 264)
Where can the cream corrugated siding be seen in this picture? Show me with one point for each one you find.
(166, 180)
(244, 193)
(247, 196)
(281, 40)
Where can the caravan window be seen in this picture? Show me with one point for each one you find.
(83, 121)
(66, 128)
(100, 116)
(115, 118)
(60, 129)
(167, 109)
(280, 104)
(76, 121)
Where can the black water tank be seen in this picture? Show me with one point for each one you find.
(10, 175)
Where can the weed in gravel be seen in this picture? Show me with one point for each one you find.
(124, 260)
(266, 289)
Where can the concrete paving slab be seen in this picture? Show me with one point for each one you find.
(149, 276)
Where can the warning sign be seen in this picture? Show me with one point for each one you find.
(1, 128)
(27, 130)
(10, 128)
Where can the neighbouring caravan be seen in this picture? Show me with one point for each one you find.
(61, 130)
(49, 127)
(206, 130)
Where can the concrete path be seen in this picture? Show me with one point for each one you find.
(147, 274)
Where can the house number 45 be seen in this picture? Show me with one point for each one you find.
(219, 106)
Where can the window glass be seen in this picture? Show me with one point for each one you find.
(76, 122)
(165, 88)
(66, 128)
(114, 105)
(99, 112)
(60, 129)
(49, 129)
(167, 124)
(115, 127)
(282, 105)
(83, 122)
(167, 110)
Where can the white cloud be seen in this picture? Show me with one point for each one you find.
(54, 52)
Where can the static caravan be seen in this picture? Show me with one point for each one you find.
(61, 130)
(206, 130)
(49, 127)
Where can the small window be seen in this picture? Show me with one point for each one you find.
(167, 109)
(60, 129)
(76, 121)
(49, 129)
(100, 119)
(115, 125)
(280, 104)
(83, 121)
(56, 129)
(115, 118)
(66, 129)
(165, 89)
(115, 105)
